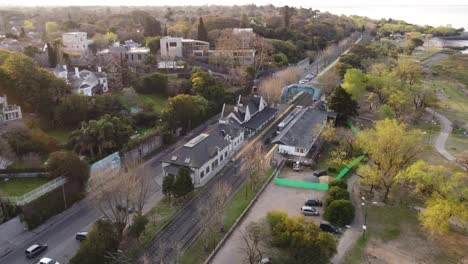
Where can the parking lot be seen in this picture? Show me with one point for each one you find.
(273, 198)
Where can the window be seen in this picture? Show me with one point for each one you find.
(173, 44)
(225, 154)
(207, 169)
(131, 55)
(202, 174)
(139, 56)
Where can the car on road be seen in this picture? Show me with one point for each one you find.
(80, 236)
(46, 261)
(35, 250)
(320, 173)
(307, 210)
(327, 227)
(313, 202)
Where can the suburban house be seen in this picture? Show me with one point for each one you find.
(76, 42)
(85, 82)
(206, 154)
(302, 132)
(130, 52)
(176, 47)
(251, 113)
(9, 112)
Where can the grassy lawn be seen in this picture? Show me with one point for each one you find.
(423, 54)
(158, 102)
(456, 143)
(395, 231)
(197, 253)
(60, 134)
(454, 67)
(20, 186)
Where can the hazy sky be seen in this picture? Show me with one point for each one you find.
(304, 3)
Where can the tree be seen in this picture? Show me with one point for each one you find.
(336, 193)
(444, 192)
(408, 71)
(183, 182)
(102, 239)
(185, 111)
(254, 163)
(298, 240)
(328, 81)
(354, 82)
(391, 147)
(51, 27)
(339, 183)
(280, 59)
(462, 159)
(412, 43)
(168, 185)
(343, 104)
(138, 226)
(153, 43)
(152, 83)
(68, 165)
(202, 34)
(339, 212)
(31, 51)
(252, 238)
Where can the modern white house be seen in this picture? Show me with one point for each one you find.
(206, 154)
(251, 113)
(300, 135)
(76, 42)
(176, 47)
(9, 112)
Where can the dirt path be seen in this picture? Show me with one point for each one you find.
(446, 129)
(352, 234)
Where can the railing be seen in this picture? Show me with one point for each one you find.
(38, 192)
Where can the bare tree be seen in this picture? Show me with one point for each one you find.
(263, 53)
(141, 185)
(462, 159)
(272, 87)
(254, 163)
(328, 82)
(252, 238)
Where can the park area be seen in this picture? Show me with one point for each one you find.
(20, 186)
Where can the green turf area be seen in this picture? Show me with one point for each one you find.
(457, 142)
(158, 102)
(453, 101)
(454, 67)
(20, 186)
(423, 54)
(197, 253)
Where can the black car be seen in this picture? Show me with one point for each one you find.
(35, 250)
(81, 236)
(320, 173)
(313, 202)
(327, 227)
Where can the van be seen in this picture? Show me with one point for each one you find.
(35, 250)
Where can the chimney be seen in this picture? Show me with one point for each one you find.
(77, 72)
(99, 69)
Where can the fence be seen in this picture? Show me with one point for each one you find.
(38, 192)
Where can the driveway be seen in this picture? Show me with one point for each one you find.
(273, 198)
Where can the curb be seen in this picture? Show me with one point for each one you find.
(241, 216)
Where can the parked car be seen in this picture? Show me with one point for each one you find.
(327, 227)
(313, 202)
(320, 173)
(297, 166)
(265, 260)
(35, 250)
(307, 210)
(80, 236)
(47, 261)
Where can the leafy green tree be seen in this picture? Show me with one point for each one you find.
(101, 240)
(31, 51)
(339, 183)
(351, 59)
(202, 34)
(355, 82)
(168, 185)
(412, 43)
(280, 59)
(152, 83)
(339, 212)
(183, 182)
(343, 104)
(68, 165)
(341, 68)
(300, 241)
(185, 111)
(336, 193)
(51, 27)
(153, 43)
(138, 226)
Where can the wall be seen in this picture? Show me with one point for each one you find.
(143, 149)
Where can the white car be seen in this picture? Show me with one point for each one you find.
(47, 261)
(308, 210)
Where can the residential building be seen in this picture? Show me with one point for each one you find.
(75, 42)
(131, 53)
(206, 154)
(300, 135)
(85, 82)
(251, 113)
(137, 55)
(237, 57)
(176, 47)
(9, 112)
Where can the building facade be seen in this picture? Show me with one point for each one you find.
(9, 112)
(76, 42)
(175, 47)
(85, 82)
(206, 154)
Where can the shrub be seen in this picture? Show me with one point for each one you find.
(138, 226)
(183, 182)
(339, 183)
(152, 83)
(339, 212)
(69, 165)
(336, 193)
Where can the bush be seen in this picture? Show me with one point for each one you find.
(69, 165)
(146, 118)
(339, 183)
(183, 182)
(152, 83)
(138, 226)
(339, 212)
(101, 240)
(336, 193)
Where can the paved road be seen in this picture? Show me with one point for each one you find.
(58, 232)
(446, 129)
